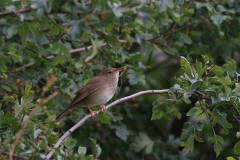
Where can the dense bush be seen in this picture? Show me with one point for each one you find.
(50, 49)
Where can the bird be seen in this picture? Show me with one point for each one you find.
(98, 91)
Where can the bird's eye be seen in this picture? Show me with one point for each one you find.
(109, 72)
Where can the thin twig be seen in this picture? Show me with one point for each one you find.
(16, 156)
(236, 118)
(201, 96)
(17, 139)
(176, 22)
(69, 40)
(204, 109)
(99, 111)
(54, 22)
(11, 12)
(89, 47)
(171, 55)
(190, 3)
(52, 61)
(6, 84)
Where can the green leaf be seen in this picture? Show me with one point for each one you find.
(217, 140)
(189, 129)
(230, 65)
(18, 108)
(217, 70)
(157, 115)
(237, 148)
(200, 69)
(69, 144)
(28, 90)
(183, 38)
(9, 99)
(186, 96)
(160, 106)
(97, 148)
(231, 158)
(134, 77)
(225, 80)
(54, 31)
(121, 132)
(82, 151)
(173, 89)
(24, 29)
(218, 19)
(143, 142)
(192, 111)
(189, 145)
(36, 133)
(61, 50)
(176, 16)
(96, 45)
(176, 113)
(236, 91)
(206, 59)
(166, 4)
(136, 56)
(185, 66)
(198, 138)
(8, 119)
(50, 119)
(3, 67)
(104, 118)
(111, 59)
(114, 42)
(14, 55)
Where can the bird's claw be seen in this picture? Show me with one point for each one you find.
(92, 114)
(103, 109)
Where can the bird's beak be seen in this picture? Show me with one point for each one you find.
(119, 69)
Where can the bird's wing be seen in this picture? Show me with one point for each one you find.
(84, 92)
(91, 87)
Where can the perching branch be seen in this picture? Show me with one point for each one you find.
(26, 123)
(99, 111)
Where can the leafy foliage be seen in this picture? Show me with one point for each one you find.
(190, 47)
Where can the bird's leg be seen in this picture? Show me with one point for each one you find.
(103, 108)
(92, 112)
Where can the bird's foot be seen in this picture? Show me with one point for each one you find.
(103, 108)
(92, 112)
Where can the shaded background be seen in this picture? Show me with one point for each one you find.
(156, 34)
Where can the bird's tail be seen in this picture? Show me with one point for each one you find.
(67, 111)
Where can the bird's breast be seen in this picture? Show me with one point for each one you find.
(101, 96)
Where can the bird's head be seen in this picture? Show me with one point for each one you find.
(111, 73)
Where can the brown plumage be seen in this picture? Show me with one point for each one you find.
(99, 90)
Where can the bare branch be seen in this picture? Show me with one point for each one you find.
(99, 111)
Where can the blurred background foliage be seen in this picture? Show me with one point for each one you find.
(58, 45)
